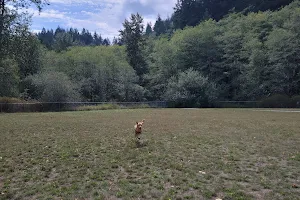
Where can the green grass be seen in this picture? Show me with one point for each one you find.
(184, 154)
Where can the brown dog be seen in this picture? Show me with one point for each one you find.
(138, 128)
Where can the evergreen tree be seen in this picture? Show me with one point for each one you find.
(62, 41)
(115, 41)
(99, 40)
(159, 27)
(187, 13)
(168, 26)
(192, 12)
(88, 38)
(59, 30)
(132, 36)
(106, 42)
(76, 36)
(46, 38)
(149, 29)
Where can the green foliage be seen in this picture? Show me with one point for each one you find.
(13, 23)
(19, 49)
(247, 57)
(190, 88)
(101, 73)
(280, 101)
(162, 66)
(198, 48)
(148, 29)
(28, 52)
(276, 101)
(244, 56)
(62, 41)
(159, 26)
(295, 101)
(191, 12)
(283, 49)
(62, 38)
(55, 87)
(9, 78)
(132, 36)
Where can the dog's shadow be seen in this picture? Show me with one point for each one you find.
(141, 144)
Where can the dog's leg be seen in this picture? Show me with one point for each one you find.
(138, 136)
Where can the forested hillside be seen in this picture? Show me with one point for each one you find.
(60, 39)
(191, 12)
(206, 51)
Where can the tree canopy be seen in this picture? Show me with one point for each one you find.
(246, 51)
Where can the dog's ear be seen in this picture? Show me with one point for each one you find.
(137, 123)
(143, 120)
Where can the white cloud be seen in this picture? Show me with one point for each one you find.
(53, 14)
(103, 16)
(36, 30)
(90, 2)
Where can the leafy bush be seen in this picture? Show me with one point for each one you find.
(295, 101)
(276, 101)
(55, 87)
(190, 89)
(9, 78)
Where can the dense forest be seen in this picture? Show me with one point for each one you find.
(61, 39)
(207, 51)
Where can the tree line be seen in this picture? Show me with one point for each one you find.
(192, 12)
(60, 39)
(239, 57)
(241, 54)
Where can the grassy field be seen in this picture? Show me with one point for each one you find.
(184, 154)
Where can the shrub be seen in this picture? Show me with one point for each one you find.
(190, 89)
(295, 101)
(276, 101)
(9, 78)
(55, 87)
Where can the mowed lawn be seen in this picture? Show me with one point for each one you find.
(184, 154)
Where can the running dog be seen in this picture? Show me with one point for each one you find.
(138, 129)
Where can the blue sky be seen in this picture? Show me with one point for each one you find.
(103, 16)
